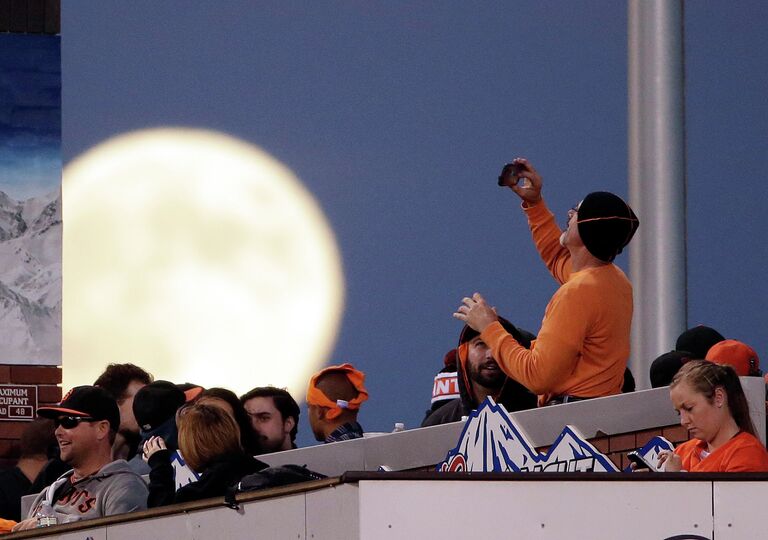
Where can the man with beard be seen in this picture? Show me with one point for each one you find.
(86, 423)
(274, 416)
(479, 377)
(122, 381)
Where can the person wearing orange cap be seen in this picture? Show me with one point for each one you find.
(334, 397)
(737, 354)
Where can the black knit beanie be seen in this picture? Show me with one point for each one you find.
(606, 224)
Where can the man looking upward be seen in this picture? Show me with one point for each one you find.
(583, 346)
(479, 376)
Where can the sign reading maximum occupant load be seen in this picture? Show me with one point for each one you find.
(18, 402)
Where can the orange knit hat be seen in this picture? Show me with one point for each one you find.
(316, 397)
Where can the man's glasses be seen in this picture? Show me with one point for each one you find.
(71, 422)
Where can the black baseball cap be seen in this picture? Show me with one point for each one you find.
(87, 402)
(156, 402)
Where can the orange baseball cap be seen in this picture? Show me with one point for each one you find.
(737, 354)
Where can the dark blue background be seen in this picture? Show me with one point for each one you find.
(398, 118)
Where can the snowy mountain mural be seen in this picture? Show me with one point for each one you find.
(30, 279)
(491, 442)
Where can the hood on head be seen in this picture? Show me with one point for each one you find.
(523, 337)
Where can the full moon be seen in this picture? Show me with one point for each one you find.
(198, 257)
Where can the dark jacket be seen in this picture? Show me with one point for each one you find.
(514, 396)
(217, 477)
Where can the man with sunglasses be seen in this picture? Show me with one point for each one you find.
(87, 420)
(582, 348)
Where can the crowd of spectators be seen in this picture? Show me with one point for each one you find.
(85, 457)
(88, 458)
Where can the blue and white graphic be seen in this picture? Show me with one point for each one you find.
(491, 442)
(182, 474)
(650, 452)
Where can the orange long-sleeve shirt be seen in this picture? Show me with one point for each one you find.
(743, 453)
(583, 345)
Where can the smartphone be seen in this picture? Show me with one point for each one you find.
(640, 461)
(511, 173)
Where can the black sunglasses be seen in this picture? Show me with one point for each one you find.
(71, 422)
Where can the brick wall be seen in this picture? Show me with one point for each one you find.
(617, 446)
(47, 380)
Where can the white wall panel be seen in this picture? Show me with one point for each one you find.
(333, 513)
(162, 528)
(91, 534)
(739, 510)
(533, 510)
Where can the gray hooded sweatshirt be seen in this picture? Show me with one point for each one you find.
(115, 489)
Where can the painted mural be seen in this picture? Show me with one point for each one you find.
(30, 199)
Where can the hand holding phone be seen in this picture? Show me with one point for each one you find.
(640, 462)
(511, 173)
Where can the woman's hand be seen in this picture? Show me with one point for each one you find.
(673, 462)
(152, 445)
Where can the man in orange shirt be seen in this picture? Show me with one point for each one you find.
(583, 346)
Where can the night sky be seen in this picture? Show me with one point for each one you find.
(398, 118)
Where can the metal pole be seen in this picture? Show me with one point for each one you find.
(657, 179)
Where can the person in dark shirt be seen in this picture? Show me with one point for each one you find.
(479, 376)
(36, 439)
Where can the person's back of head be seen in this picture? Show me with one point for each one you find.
(698, 340)
(664, 368)
(736, 354)
(207, 433)
(445, 385)
(334, 397)
(117, 377)
(218, 396)
(606, 224)
(155, 408)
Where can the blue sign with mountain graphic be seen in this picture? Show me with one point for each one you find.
(492, 442)
(650, 452)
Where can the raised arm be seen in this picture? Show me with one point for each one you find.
(522, 178)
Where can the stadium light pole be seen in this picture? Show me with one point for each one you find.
(657, 179)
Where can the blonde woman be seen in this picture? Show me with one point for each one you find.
(209, 440)
(714, 409)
